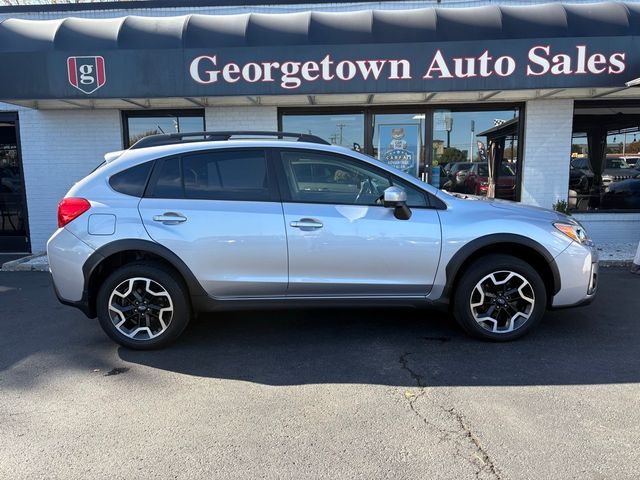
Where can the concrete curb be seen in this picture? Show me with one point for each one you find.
(32, 263)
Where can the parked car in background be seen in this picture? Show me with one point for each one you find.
(456, 174)
(615, 169)
(578, 181)
(633, 161)
(623, 195)
(477, 181)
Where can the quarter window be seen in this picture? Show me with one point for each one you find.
(132, 180)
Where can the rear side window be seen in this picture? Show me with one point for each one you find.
(218, 175)
(132, 180)
(226, 175)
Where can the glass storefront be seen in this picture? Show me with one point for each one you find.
(604, 171)
(140, 124)
(339, 129)
(473, 151)
(476, 152)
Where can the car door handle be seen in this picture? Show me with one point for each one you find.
(306, 224)
(170, 218)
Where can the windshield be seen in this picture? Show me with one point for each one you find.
(617, 163)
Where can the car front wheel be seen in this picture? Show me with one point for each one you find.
(499, 298)
(143, 306)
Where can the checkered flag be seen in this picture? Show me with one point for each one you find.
(498, 121)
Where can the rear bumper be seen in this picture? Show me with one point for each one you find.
(82, 304)
(67, 255)
(578, 267)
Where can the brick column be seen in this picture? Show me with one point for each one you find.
(547, 151)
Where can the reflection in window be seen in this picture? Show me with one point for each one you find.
(604, 170)
(143, 124)
(339, 129)
(476, 152)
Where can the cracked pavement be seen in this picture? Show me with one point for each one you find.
(320, 394)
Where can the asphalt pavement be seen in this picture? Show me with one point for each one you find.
(320, 394)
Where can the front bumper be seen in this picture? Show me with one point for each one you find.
(578, 267)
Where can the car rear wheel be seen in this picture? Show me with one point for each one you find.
(143, 306)
(499, 298)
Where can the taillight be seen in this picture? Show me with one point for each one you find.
(71, 208)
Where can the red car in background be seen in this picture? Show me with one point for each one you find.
(477, 181)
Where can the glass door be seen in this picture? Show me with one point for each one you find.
(13, 212)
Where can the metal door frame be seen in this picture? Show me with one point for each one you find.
(13, 117)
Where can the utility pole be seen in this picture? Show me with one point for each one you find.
(341, 126)
(473, 130)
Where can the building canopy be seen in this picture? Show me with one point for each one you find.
(308, 53)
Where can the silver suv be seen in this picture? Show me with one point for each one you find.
(186, 223)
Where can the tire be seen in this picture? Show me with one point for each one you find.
(143, 326)
(472, 300)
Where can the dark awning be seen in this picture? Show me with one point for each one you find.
(322, 28)
(141, 57)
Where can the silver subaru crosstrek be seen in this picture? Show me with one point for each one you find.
(186, 223)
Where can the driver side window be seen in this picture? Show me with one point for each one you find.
(317, 177)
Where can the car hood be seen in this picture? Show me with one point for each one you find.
(518, 208)
(530, 210)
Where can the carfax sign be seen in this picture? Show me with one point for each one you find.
(398, 146)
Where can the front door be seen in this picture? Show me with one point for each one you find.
(13, 209)
(342, 241)
(219, 211)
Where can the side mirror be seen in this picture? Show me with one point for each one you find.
(396, 198)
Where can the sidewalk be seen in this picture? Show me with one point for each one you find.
(611, 255)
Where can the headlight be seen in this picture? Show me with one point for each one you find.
(574, 232)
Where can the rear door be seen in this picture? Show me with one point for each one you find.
(220, 212)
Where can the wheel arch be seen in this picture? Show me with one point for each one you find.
(504, 243)
(121, 252)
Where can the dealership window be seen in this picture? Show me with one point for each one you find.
(604, 170)
(140, 124)
(474, 150)
(346, 129)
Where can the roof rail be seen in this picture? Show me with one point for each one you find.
(172, 138)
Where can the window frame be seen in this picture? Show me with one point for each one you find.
(186, 112)
(272, 177)
(431, 202)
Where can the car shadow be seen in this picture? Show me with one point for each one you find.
(592, 345)
(396, 347)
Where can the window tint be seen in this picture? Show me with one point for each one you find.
(315, 177)
(168, 181)
(132, 180)
(226, 175)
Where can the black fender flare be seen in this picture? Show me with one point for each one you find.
(467, 251)
(89, 267)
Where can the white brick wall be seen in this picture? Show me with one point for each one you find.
(611, 228)
(60, 147)
(547, 150)
(242, 118)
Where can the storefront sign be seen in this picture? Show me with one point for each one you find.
(321, 69)
(398, 146)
